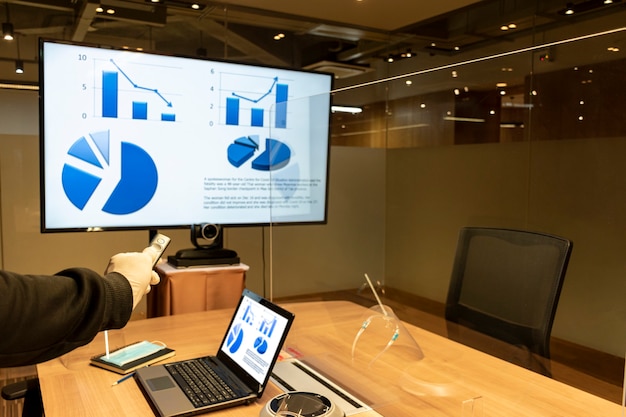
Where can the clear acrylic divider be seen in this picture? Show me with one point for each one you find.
(297, 147)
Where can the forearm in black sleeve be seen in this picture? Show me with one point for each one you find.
(42, 317)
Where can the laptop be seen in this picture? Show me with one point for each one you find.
(244, 362)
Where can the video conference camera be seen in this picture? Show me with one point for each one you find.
(208, 240)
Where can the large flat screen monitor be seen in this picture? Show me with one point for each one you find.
(136, 140)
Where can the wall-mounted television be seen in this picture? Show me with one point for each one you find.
(138, 140)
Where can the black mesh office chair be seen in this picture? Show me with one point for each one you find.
(506, 284)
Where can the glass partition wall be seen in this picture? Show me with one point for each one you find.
(526, 134)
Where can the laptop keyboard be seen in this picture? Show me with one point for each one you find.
(200, 383)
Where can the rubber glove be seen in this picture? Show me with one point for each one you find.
(136, 267)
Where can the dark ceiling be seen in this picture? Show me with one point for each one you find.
(343, 36)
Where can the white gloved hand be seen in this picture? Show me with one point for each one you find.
(136, 267)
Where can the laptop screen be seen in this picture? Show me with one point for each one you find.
(254, 336)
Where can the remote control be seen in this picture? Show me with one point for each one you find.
(159, 242)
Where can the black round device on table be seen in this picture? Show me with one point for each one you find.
(308, 405)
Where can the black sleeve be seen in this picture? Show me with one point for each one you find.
(42, 317)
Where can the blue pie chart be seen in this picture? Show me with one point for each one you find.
(234, 338)
(242, 149)
(137, 180)
(260, 345)
(276, 154)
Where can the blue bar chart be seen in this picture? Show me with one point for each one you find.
(253, 101)
(113, 104)
(109, 93)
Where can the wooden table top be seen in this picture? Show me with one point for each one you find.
(449, 377)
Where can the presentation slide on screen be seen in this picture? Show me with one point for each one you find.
(132, 139)
(254, 337)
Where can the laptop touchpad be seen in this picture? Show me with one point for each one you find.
(162, 382)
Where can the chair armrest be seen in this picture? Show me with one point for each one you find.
(19, 389)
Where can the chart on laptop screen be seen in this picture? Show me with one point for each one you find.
(253, 338)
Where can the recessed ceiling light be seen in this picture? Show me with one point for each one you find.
(504, 27)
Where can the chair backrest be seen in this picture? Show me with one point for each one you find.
(506, 283)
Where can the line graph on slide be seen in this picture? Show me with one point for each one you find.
(255, 101)
(133, 95)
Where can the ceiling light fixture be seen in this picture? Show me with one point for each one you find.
(7, 31)
(346, 109)
(16, 86)
(7, 27)
(181, 4)
(19, 64)
(464, 119)
(398, 56)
